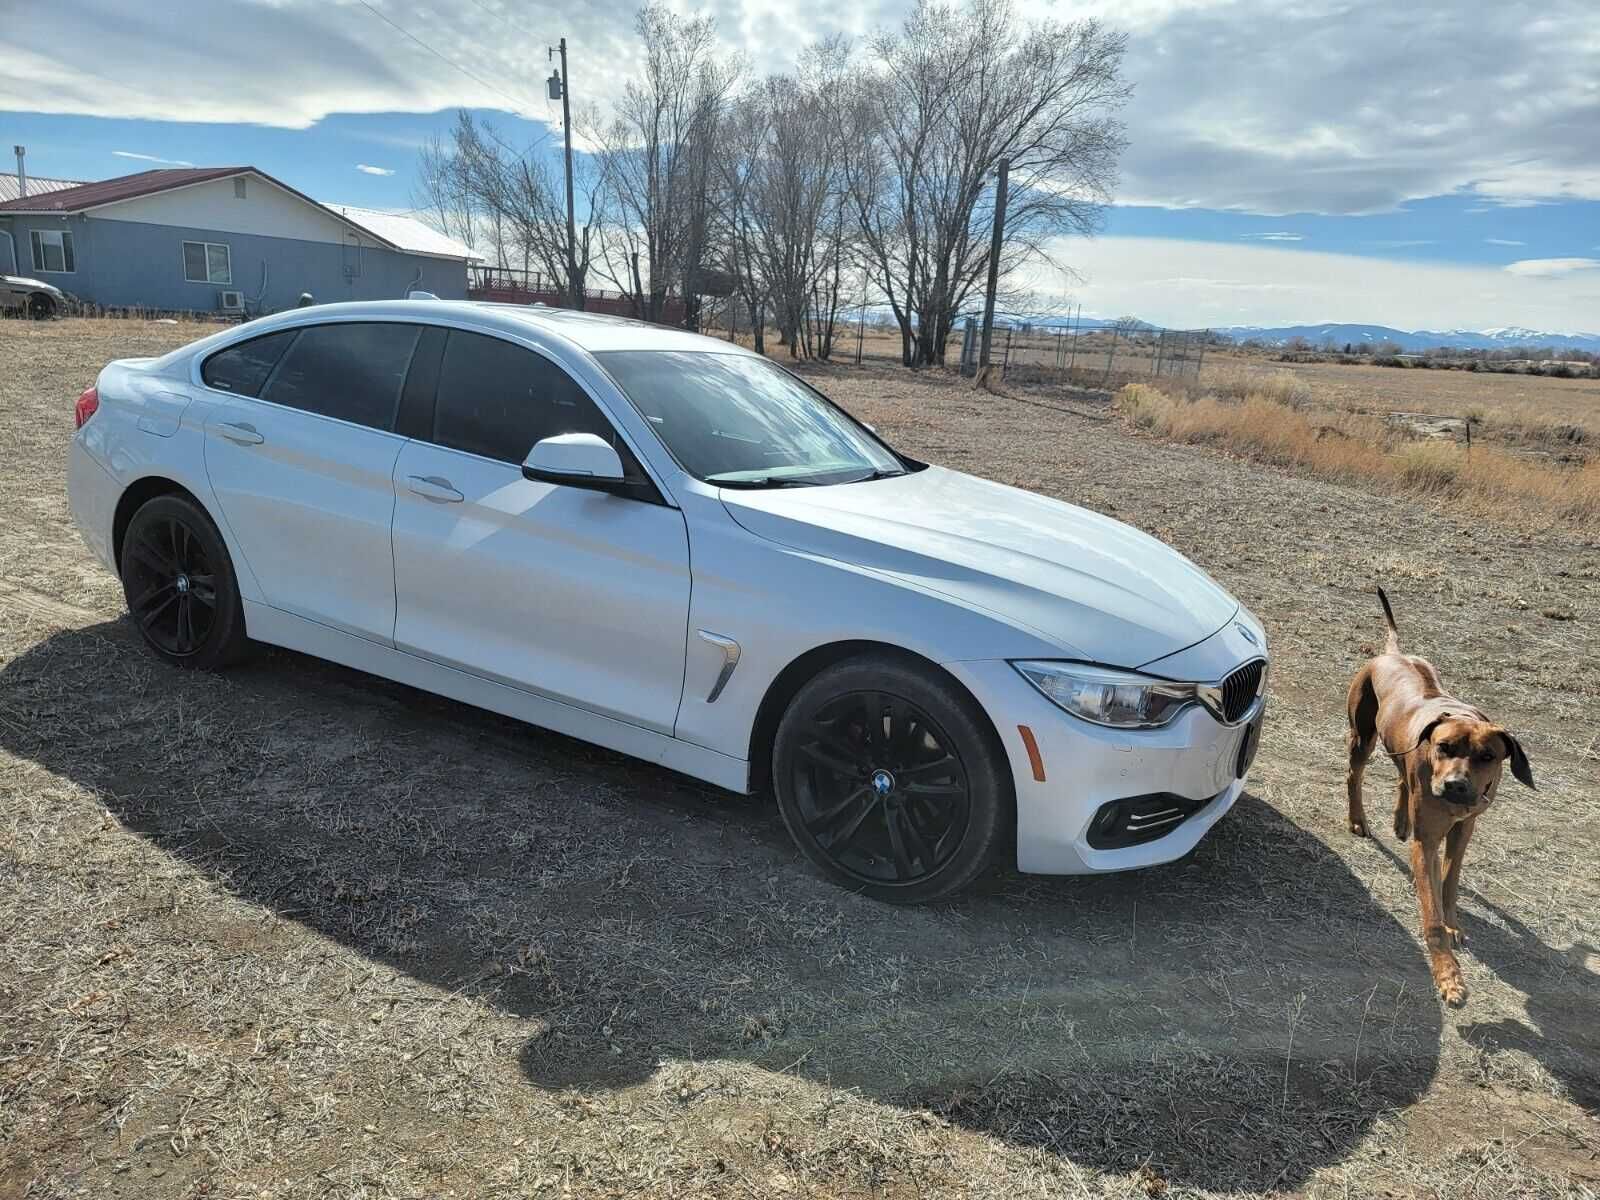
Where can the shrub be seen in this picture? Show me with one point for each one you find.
(1355, 448)
(1432, 467)
(1235, 383)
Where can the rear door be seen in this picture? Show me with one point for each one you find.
(576, 595)
(301, 456)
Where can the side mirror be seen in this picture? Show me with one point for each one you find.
(580, 460)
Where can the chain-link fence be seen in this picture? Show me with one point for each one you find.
(1089, 357)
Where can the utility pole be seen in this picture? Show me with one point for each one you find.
(562, 86)
(996, 241)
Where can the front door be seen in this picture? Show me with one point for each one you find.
(304, 473)
(576, 595)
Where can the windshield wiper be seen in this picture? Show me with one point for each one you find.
(878, 473)
(760, 481)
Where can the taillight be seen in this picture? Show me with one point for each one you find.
(86, 406)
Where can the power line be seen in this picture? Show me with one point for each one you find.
(520, 104)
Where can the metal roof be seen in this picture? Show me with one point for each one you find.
(10, 190)
(406, 232)
(123, 187)
(87, 196)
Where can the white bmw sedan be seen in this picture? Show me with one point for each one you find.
(674, 548)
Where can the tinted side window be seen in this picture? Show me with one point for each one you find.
(244, 368)
(353, 372)
(497, 400)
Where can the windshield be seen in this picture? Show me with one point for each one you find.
(741, 421)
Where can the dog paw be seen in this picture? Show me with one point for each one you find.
(1402, 828)
(1454, 937)
(1452, 990)
(1359, 828)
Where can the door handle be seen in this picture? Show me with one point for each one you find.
(432, 487)
(242, 433)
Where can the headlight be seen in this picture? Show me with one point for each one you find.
(1106, 696)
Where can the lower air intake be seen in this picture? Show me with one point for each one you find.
(1135, 820)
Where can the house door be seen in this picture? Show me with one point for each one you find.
(8, 255)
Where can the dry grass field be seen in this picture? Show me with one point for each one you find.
(1556, 416)
(295, 932)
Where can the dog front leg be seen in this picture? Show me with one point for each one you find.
(1455, 851)
(1425, 874)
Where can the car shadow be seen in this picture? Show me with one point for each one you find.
(1234, 1021)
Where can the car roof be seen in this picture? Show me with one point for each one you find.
(592, 332)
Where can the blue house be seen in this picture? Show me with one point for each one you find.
(220, 239)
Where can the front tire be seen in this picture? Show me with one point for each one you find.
(888, 778)
(41, 308)
(180, 587)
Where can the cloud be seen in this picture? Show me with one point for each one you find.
(1551, 268)
(289, 63)
(1279, 236)
(1504, 242)
(1322, 106)
(171, 162)
(365, 169)
(1356, 106)
(1403, 243)
(1186, 284)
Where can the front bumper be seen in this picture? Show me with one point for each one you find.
(1086, 766)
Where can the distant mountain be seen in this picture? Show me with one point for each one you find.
(1419, 339)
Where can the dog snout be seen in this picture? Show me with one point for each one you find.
(1457, 789)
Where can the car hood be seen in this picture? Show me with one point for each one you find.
(1101, 590)
(24, 281)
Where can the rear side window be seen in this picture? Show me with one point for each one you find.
(244, 368)
(353, 372)
(497, 399)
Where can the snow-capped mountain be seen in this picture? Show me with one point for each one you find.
(1499, 338)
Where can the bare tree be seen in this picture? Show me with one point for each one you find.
(657, 157)
(521, 194)
(440, 192)
(783, 201)
(947, 97)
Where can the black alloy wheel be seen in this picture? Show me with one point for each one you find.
(888, 779)
(179, 584)
(40, 308)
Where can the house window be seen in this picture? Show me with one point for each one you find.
(52, 251)
(207, 262)
(238, 188)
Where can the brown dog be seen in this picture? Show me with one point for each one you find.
(1450, 759)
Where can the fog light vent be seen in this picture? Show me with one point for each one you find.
(1134, 820)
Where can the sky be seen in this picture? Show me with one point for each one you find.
(1432, 164)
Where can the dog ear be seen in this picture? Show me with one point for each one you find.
(1518, 759)
(1426, 735)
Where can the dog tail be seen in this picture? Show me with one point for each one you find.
(1392, 646)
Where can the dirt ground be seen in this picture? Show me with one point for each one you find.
(293, 931)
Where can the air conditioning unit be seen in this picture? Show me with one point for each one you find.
(232, 302)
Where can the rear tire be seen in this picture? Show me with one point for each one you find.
(889, 779)
(180, 587)
(41, 308)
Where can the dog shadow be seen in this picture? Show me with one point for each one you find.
(1563, 992)
(1563, 997)
(1235, 1020)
